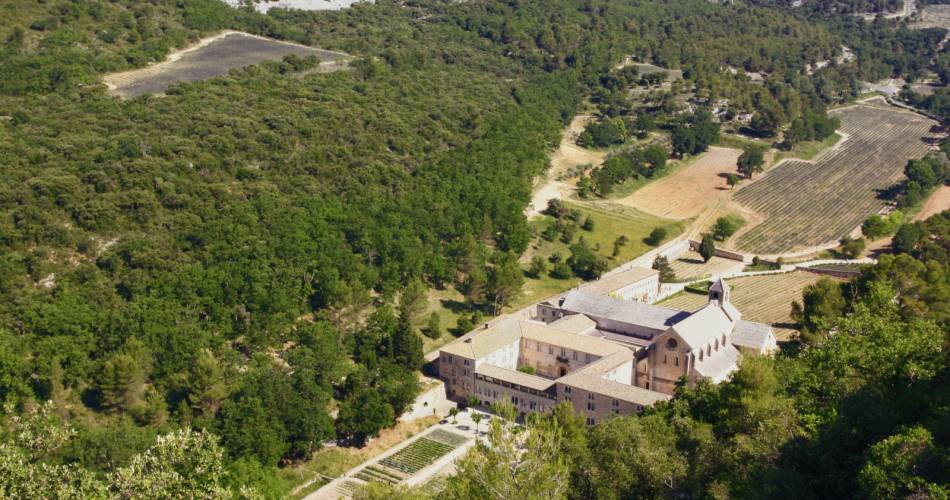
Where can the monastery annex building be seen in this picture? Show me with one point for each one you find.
(604, 354)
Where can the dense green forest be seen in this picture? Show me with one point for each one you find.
(236, 256)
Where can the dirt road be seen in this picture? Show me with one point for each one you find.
(567, 156)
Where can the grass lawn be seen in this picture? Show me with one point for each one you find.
(806, 150)
(610, 222)
(448, 304)
(738, 142)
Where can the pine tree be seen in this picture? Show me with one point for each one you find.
(122, 383)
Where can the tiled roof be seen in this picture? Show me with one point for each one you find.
(487, 341)
(575, 323)
(757, 336)
(720, 364)
(515, 377)
(704, 325)
(626, 311)
(572, 341)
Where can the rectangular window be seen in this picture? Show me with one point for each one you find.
(575, 355)
(616, 402)
(567, 389)
(590, 396)
(664, 359)
(590, 421)
(588, 358)
(538, 346)
(590, 406)
(550, 349)
(465, 362)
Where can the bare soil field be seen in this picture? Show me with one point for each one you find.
(690, 266)
(648, 69)
(938, 202)
(813, 203)
(690, 191)
(209, 58)
(767, 299)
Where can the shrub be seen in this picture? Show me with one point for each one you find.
(656, 236)
(561, 271)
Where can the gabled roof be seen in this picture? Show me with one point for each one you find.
(753, 335)
(704, 325)
(620, 280)
(718, 366)
(575, 323)
(515, 377)
(626, 311)
(540, 332)
(591, 378)
(486, 341)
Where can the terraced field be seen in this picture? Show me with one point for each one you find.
(766, 298)
(810, 203)
(422, 453)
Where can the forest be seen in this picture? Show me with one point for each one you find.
(244, 256)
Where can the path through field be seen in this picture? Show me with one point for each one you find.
(767, 299)
(814, 203)
(938, 202)
(567, 156)
(211, 57)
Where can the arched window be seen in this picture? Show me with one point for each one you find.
(700, 354)
(708, 350)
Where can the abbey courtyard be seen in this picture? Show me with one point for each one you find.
(603, 349)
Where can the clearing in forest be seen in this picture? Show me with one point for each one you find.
(213, 57)
(767, 299)
(691, 190)
(814, 203)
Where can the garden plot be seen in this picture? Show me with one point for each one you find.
(812, 203)
(213, 57)
(767, 299)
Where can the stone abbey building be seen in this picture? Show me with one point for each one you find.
(605, 355)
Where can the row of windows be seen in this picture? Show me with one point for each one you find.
(516, 387)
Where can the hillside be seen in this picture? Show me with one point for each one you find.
(244, 255)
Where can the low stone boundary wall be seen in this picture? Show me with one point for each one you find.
(719, 252)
